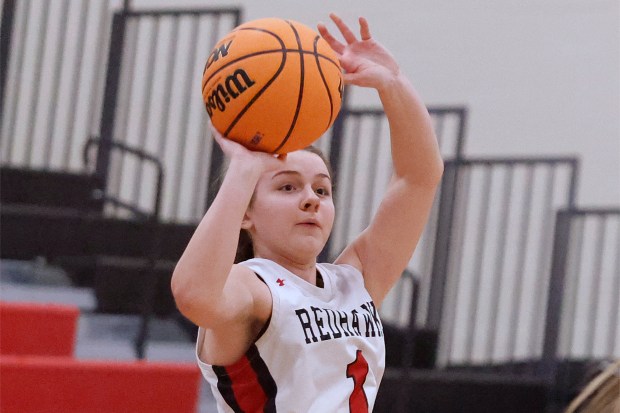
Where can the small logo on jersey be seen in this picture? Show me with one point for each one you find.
(280, 282)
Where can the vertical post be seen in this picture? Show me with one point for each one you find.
(335, 149)
(106, 130)
(215, 170)
(441, 253)
(155, 233)
(561, 243)
(460, 139)
(154, 230)
(445, 218)
(572, 193)
(408, 348)
(217, 156)
(6, 31)
(336, 141)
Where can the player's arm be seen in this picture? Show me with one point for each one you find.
(208, 289)
(384, 249)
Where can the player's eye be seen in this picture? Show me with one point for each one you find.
(322, 191)
(287, 188)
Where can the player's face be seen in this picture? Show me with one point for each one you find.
(292, 212)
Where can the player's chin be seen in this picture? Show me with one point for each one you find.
(310, 245)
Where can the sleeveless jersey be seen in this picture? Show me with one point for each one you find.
(321, 352)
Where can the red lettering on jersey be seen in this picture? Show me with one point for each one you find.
(280, 282)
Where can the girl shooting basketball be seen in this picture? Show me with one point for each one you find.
(281, 332)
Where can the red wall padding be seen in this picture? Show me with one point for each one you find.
(62, 384)
(37, 329)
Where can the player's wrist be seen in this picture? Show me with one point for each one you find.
(392, 82)
(245, 167)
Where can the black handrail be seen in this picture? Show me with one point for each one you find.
(151, 219)
(96, 141)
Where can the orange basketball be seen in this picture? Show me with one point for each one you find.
(273, 85)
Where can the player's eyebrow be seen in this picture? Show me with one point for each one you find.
(291, 172)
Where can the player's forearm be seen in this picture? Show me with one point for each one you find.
(415, 152)
(208, 258)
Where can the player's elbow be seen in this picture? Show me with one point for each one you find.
(184, 293)
(434, 172)
(180, 292)
(188, 304)
(438, 170)
(194, 301)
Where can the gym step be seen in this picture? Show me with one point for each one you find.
(49, 188)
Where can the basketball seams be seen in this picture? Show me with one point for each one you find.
(232, 62)
(329, 94)
(334, 62)
(293, 127)
(302, 72)
(282, 49)
(264, 52)
(259, 93)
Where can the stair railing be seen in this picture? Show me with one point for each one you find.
(151, 220)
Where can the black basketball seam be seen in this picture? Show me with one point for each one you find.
(260, 92)
(282, 49)
(285, 50)
(246, 56)
(329, 94)
(302, 72)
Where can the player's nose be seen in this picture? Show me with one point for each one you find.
(310, 200)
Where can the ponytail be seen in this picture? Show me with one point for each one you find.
(245, 247)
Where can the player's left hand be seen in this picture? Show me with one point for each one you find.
(365, 61)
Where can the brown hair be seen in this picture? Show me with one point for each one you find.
(245, 247)
(600, 395)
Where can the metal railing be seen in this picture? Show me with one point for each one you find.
(56, 92)
(583, 306)
(116, 204)
(153, 100)
(359, 150)
(492, 257)
(53, 65)
(486, 260)
(148, 214)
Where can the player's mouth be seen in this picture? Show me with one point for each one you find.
(310, 223)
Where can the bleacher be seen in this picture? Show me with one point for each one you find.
(41, 373)
(94, 218)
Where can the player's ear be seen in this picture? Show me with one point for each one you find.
(246, 223)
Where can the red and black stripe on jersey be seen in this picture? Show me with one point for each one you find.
(247, 385)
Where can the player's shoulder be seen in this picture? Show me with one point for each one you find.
(246, 276)
(339, 269)
(259, 266)
(239, 270)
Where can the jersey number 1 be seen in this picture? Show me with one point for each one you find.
(357, 370)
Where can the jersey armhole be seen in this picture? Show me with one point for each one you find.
(200, 337)
(268, 322)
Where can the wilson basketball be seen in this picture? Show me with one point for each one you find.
(273, 85)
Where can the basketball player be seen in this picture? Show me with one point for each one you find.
(281, 332)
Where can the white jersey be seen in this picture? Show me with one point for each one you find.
(322, 350)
